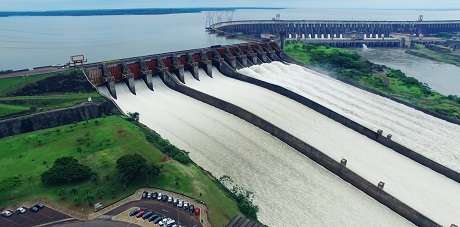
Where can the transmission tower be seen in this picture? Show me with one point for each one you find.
(209, 18)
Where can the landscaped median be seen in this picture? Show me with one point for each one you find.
(98, 144)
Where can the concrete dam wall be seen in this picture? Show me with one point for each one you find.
(334, 28)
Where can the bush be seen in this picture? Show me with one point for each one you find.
(165, 146)
(66, 170)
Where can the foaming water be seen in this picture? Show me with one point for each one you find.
(432, 137)
(287, 186)
(405, 179)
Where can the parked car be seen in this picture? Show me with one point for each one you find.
(149, 195)
(138, 215)
(191, 208)
(185, 205)
(197, 211)
(176, 201)
(157, 220)
(159, 196)
(165, 198)
(133, 212)
(180, 204)
(154, 195)
(153, 217)
(144, 195)
(7, 213)
(147, 215)
(170, 199)
(36, 207)
(20, 210)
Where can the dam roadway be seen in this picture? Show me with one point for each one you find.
(288, 187)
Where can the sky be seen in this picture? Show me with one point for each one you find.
(43, 5)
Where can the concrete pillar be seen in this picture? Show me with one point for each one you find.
(128, 77)
(193, 66)
(205, 64)
(178, 68)
(146, 74)
(111, 86)
(216, 59)
(129, 80)
(110, 81)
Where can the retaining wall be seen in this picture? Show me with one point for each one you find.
(55, 118)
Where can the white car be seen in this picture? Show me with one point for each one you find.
(159, 196)
(180, 204)
(20, 210)
(7, 213)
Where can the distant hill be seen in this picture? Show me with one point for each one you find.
(106, 12)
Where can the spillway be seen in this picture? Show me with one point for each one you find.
(428, 192)
(432, 137)
(289, 188)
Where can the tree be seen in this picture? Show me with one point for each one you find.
(73, 191)
(95, 179)
(61, 193)
(151, 170)
(10, 183)
(122, 180)
(65, 170)
(131, 165)
(133, 117)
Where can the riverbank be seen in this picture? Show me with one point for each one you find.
(348, 65)
(438, 54)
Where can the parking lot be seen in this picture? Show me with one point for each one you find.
(164, 209)
(29, 218)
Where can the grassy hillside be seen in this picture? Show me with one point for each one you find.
(350, 66)
(30, 94)
(99, 143)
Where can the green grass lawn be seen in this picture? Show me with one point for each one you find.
(102, 142)
(39, 102)
(14, 83)
(11, 109)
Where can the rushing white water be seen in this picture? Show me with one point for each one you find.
(288, 187)
(427, 135)
(430, 193)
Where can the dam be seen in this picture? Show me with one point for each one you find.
(158, 74)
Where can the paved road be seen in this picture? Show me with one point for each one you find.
(29, 218)
(33, 72)
(96, 223)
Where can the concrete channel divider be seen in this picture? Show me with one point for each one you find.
(435, 166)
(314, 154)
